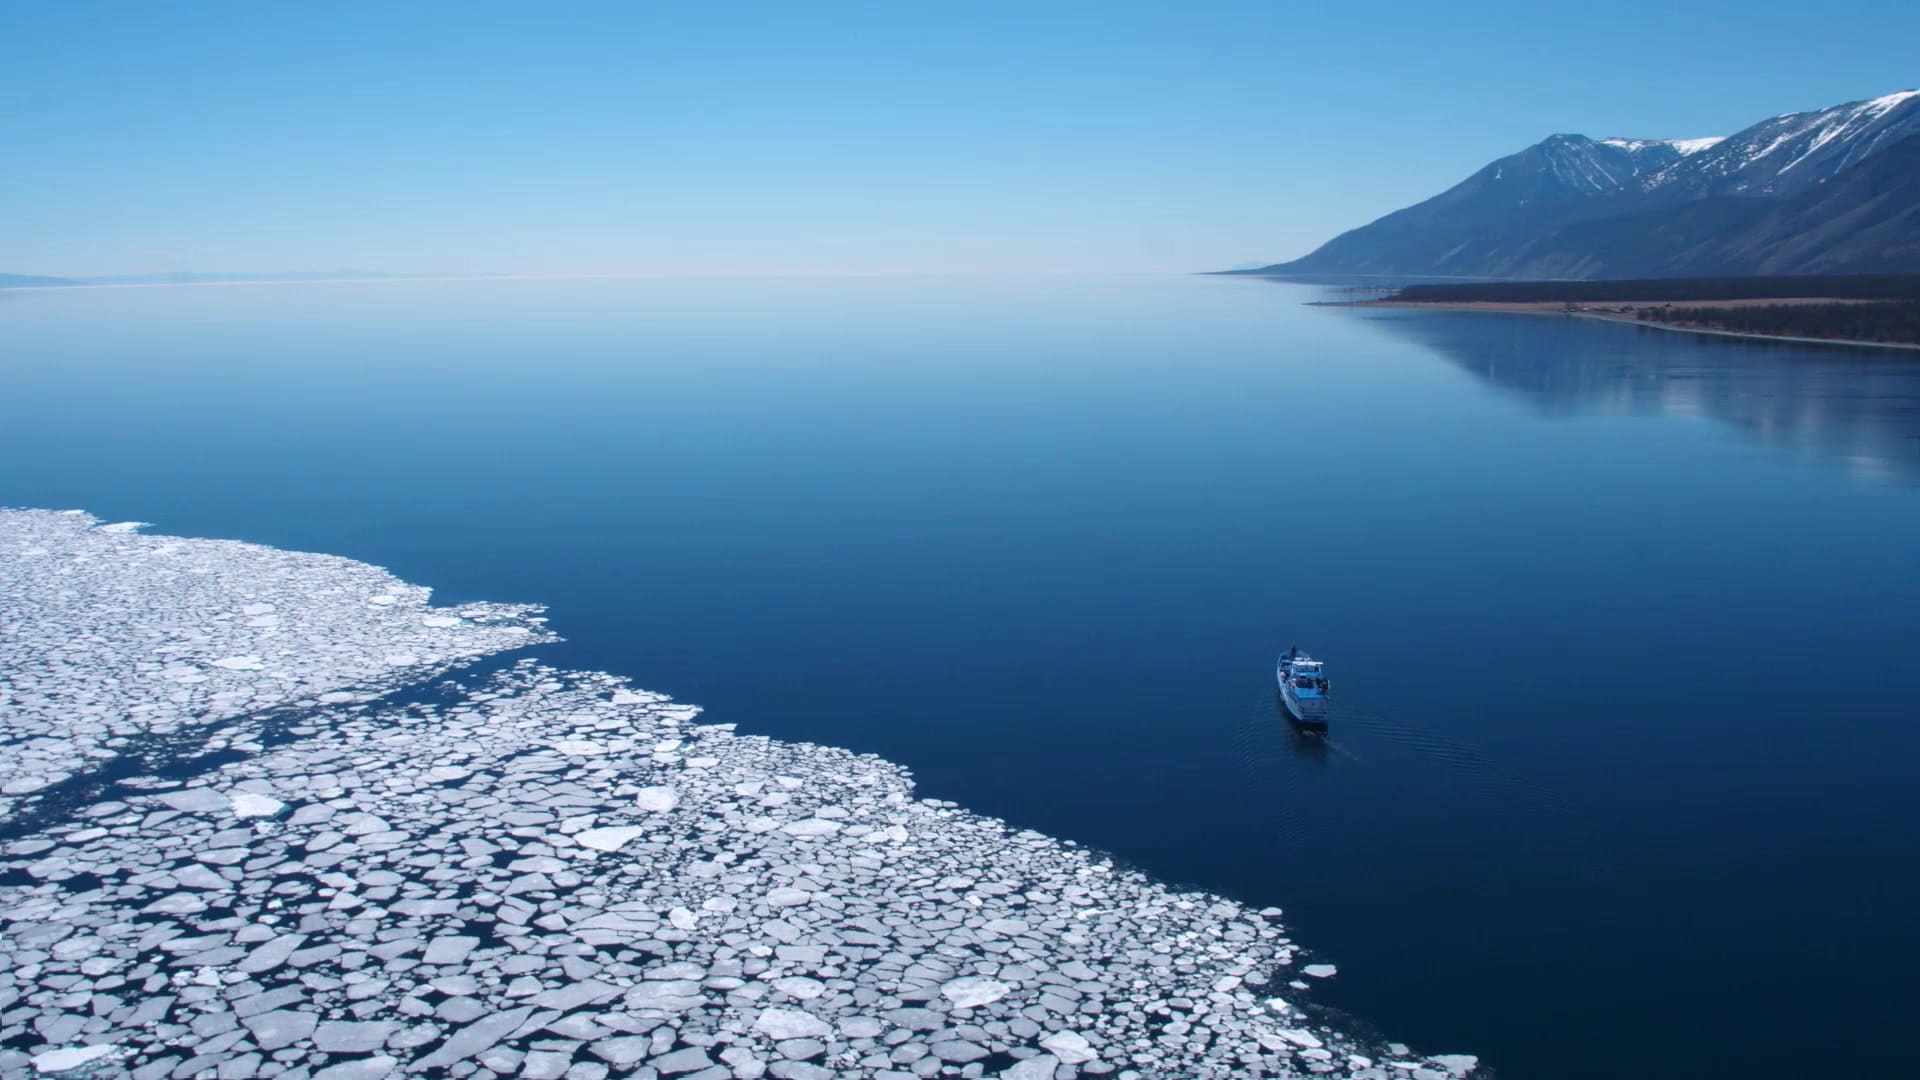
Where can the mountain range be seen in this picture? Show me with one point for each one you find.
(25, 281)
(1834, 190)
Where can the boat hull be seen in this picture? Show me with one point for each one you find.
(1305, 710)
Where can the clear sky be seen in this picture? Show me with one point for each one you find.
(560, 137)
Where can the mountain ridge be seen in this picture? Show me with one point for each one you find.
(33, 281)
(1785, 195)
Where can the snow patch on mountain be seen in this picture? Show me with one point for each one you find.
(1888, 102)
(1689, 147)
(1684, 147)
(1794, 151)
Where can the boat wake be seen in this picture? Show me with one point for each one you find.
(1354, 737)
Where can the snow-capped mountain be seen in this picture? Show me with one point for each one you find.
(1789, 154)
(1571, 206)
(1576, 166)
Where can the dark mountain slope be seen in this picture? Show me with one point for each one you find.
(1478, 226)
(1866, 220)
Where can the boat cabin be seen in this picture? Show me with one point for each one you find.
(1308, 677)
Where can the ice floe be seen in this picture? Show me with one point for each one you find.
(112, 635)
(532, 872)
(248, 804)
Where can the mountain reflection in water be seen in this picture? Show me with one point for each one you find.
(1856, 405)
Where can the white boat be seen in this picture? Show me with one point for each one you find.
(1303, 686)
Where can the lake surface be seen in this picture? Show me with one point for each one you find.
(1621, 776)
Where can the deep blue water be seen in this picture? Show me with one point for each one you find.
(1621, 778)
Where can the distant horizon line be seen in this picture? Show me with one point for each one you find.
(35, 282)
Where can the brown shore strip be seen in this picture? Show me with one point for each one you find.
(1623, 311)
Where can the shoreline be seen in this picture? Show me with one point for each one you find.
(1558, 308)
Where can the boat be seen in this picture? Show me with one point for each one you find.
(1303, 686)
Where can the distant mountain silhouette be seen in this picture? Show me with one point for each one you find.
(21, 281)
(187, 278)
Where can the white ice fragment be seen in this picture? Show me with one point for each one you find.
(378, 1067)
(1320, 971)
(608, 839)
(67, 1058)
(580, 747)
(657, 799)
(280, 1028)
(199, 877)
(623, 1051)
(247, 804)
(1039, 1067)
(799, 986)
(197, 800)
(240, 663)
(345, 1037)
(1301, 1038)
(176, 904)
(791, 1024)
(684, 1060)
(451, 949)
(270, 955)
(546, 1065)
(811, 827)
(441, 621)
(381, 600)
(1457, 1064)
(670, 995)
(973, 990)
(1070, 1047)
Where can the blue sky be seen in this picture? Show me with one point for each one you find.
(836, 138)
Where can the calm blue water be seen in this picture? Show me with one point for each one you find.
(1621, 778)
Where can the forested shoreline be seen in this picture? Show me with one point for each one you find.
(1670, 290)
(1886, 321)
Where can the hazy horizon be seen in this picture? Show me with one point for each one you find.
(484, 139)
